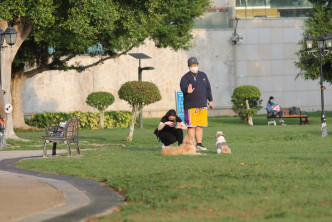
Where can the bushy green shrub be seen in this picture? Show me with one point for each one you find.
(239, 97)
(138, 94)
(88, 120)
(100, 100)
(47, 119)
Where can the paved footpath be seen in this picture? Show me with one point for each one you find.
(33, 196)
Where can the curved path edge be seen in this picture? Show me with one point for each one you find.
(102, 199)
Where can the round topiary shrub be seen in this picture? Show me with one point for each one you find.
(246, 102)
(138, 94)
(100, 101)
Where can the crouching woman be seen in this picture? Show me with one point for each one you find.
(170, 129)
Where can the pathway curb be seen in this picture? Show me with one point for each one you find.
(102, 199)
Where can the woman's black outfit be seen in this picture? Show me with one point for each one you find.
(169, 135)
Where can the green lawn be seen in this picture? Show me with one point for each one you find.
(275, 173)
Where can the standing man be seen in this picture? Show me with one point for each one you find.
(196, 93)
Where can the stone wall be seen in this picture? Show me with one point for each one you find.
(56, 91)
(266, 59)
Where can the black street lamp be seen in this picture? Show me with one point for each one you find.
(140, 56)
(10, 35)
(324, 46)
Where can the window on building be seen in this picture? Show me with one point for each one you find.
(272, 8)
(215, 18)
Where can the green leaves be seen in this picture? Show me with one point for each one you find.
(100, 100)
(246, 92)
(317, 24)
(88, 120)
(239, 97)
(71, 27)
(139, 93)
(174, 21)
(40, 13)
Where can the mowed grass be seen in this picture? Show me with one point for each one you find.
(275, 173)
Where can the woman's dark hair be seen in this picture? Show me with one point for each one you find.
(271, 97)
(170, 112)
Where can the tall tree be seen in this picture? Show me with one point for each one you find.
(319, 23)
(70, 27)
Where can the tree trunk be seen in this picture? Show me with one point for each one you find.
(7, 59)
(250, 122)
(8, 55)
(135, 114)
(16, 90)
(102, 117)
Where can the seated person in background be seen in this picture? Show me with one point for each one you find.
(274, 109)
(170, 129)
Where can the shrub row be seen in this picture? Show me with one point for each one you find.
(121, 119)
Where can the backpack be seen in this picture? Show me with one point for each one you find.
(293, 111)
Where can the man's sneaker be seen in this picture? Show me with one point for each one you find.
(200, 147)
(281, 121)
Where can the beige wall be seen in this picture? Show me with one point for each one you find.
(265, 58)
(56, 91)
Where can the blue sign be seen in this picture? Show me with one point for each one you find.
(179, 105)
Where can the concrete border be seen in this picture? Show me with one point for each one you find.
(74, 199)
(102, 199)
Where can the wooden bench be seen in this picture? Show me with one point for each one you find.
(292, 112)
(67, 134)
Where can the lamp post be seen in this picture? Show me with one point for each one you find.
(10, 35)
(324, 46)
(140, 56)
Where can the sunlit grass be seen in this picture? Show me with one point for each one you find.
(277, 173)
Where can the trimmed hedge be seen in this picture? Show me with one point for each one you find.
(88, 120)
(239, 97)
(139, 93)
(100, 100)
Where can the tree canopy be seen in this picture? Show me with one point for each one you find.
(246, 101)
(100, 100)
(319, 23)
(70, 28)
(52, 32)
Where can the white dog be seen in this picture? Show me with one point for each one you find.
(222, 147)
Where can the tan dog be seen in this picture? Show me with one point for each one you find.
(222, 147)
(188, 147)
